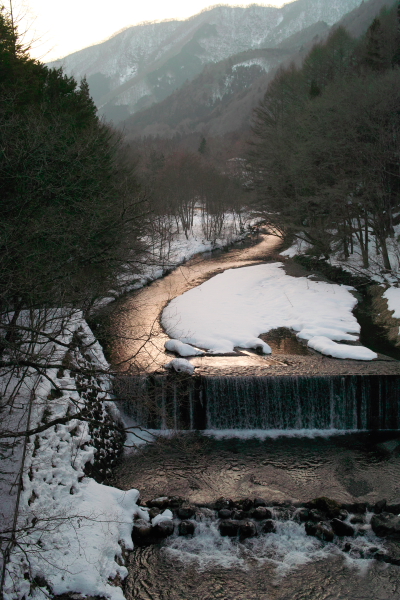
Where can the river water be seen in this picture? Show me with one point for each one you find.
(278, 466)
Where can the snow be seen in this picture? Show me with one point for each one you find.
(164, 516)
(392, 296)
(182, 349)
(70, 528)
(326, 346)
(181, 365)
(233, 308)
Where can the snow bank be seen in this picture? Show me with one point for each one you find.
(392, 296)
(326, 346)
(233, 308)
(69, 525)
(182, 349)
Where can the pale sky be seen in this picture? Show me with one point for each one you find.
(64, 26)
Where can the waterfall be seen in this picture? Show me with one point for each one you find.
(345, 402)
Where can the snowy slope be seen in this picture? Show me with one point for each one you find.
(145, 63)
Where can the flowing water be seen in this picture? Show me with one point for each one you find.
(278, 427)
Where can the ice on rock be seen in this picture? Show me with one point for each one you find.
(180, 365)
(182, 349)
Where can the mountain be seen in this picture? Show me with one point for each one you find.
(221, 99)
(144, 64)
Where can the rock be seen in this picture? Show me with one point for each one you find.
(206, 513)
(246, 504)
(238, 515)
(185, 511)
(393, 508)
(222, 503)
(357, 520)
(326, 505)
(224, 513)
(163, 529)
(175, 501)
(380, 506)
(141, 531)
(186, 528)
(260, 513)
(322, 531)
(386, 525)
(247, 529)
(259, 502)
(356, 507)
(347, 547)
(161, 503)
(316, 515)
(153, 512)
(342, 529)
(269, 526)
(228, 527)
(302, 515)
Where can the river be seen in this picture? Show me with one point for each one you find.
(279, 466)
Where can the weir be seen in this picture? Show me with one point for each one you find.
(342, 402)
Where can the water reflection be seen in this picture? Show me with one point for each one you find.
(139, 338)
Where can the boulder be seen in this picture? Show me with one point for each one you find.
(316, 515)
(269, 526)
(224, 513)
(222, 503)
(228, 527)
(302, 515)
(163, 529)
(326, 505)
(186, 528)
(153, 512)
(386, 525)
(322, 531)
(260, 513)
(247, 529)
(246, 504)
(259, 502)
(380, 506)
(185, 511)
(161, 502)
(238, 515)
(141, 531)
(342, 529)
(393, 508)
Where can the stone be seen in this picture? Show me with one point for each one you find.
(342, 529)
(326, 505)
(186, 528)
(357, 520)
(246, 504)
(175, 501)
(322, 531)
(247, 529)
(386, 525)
(228, 527)
(153, 512)
(222, 503)
(316, 515)
(163, 529)
(393, 508)
(269, 526)
(380, 506)
(238, 515)
(260, 513)
(302, 515)
(259, 502)
(161, 503)
(185, 512)
(224, 513)
(141, 531)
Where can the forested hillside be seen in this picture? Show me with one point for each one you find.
(325, 155)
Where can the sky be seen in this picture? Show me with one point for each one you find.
(55, 28)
